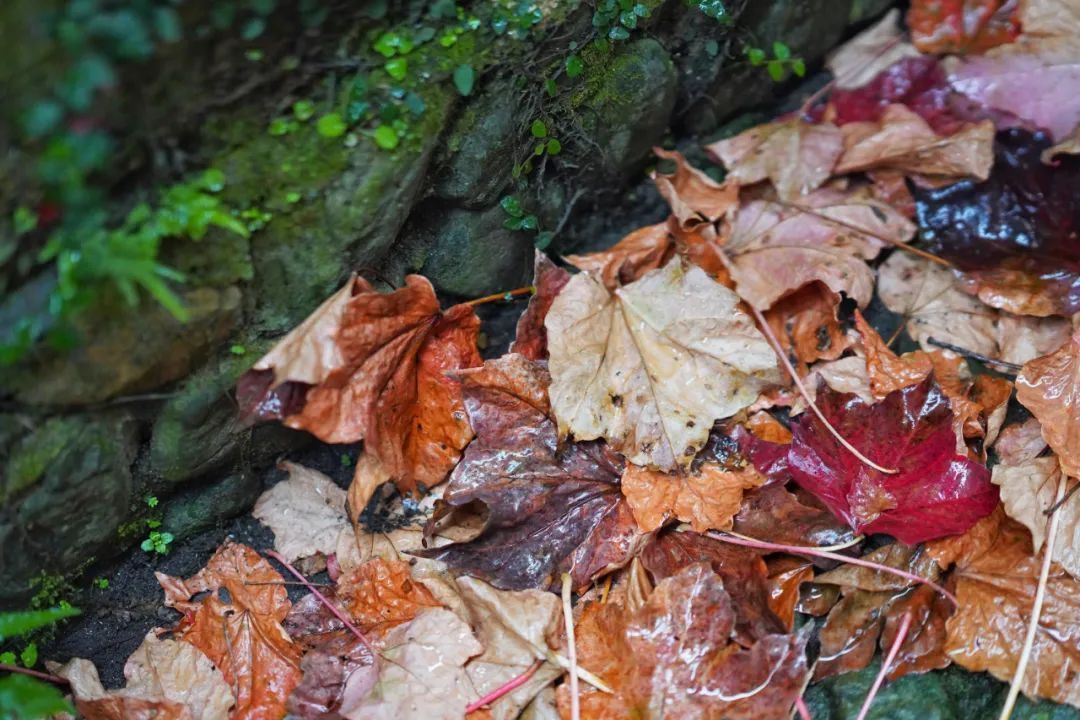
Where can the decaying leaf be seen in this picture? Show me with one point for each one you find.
(368, 476)
(624, 262)
(652, 366)
(372, 366)
(774, 514)
(233, 612)
(707, 497)
(962, 26)
(806, 324)
(934, 493)
(694, 197)
(776, 247)
(672, 658)
(531, 337)
(796, 156)
(423, 674)
(1050, 388)
(1018, 443)
(549, 510)
(858, 61)
(904, 142)
(381, 594)
(306, 513)
(996, 575)
(166, 680)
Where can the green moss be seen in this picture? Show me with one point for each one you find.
(32, 457)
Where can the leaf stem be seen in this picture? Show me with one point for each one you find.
(800, 707)
(901, 634)
(322, 598)
(1036, 608)
(568, 618)
(55, 679)
(529, 290)
(767, 330)
(827, 548)
(506, 688)
(815, 552)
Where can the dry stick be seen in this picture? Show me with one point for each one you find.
(502, 296)
(1036, 608)
(901, 634)
(800, 707)
(765, 328)
(322, 598)
(799, 549)
(34, 674)
(1013, 368)
(1068, 494)
(568, 618)
(505, 689)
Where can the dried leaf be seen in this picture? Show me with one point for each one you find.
(806, 324)
(1020, 442)
(776, 248)
(1070, 145)
(935, 491)
(961, 26)
(549, 510)
(423, 675)
(381, 594)
(376, 365)
(548, 280)
(672, 659)
(846, 375)
(368, 476)
(1050, 388)
(995, 576)
(918, 83)
(306, 513)
(624, 262)
(694, 197)
(773, 514)
(1022, 338)
(238, 626)
(651, 367)
(797, 157)
(875, 49)
(886, 371)
(903, 141)
(707, 497)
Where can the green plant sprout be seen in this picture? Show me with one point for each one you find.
(157, 542)
(778, 65)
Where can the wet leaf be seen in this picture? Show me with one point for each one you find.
(306, 513)
(774, 514)
(806, 324)
(695, 198)
(962, 26)
(372, 366)
(381, 594)
(531, 337)
(624, 262)
(707, 497)
(1050, 388)
(935, 491)
(875, 49)
(651, 367)
(1020, 442)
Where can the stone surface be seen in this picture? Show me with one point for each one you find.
(201, 507)
(67, 489)
(127, 350)
(469, 253)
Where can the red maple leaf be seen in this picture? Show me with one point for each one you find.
(935, 492)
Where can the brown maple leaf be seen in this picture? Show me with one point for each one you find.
(806, 324)
(531, 337)
(381, 594)
(372, 366)
(1049, 387)
(240, 628)
(796, 156)
(996, 574)
(672, 658)
(694, 197)
(624, 262)
(707, 496)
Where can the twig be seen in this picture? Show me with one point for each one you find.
(1036, 608)
(1058, 503)
(800, 707)
(592, 679)
(814, 552)
(55, 679)
(505, 689)
(1013, 368)
(502, 296)
(771, 336)
(568, 618)
(289, 583)
(827, 548)
(322, 598)
(901, 634)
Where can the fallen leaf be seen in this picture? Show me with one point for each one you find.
(962, 26)
(796, 156)
(846, 375)
(306, 512)
(886, 371)
(240, 629)
(694, 197)
(1070, 145)
(423, 675)
(381, 594)
(995, 576)
(165, 679)
(927, 296)
(707, 497)
(1050, 388)
(806, 324)
(548, 280)
(935, 491)
(549, 510)
(774, 514)
(903, 141)
(672, 659)
(776, 248)
(368, 476)
(786, 577)
(1022, 338)
(744, 574)
(1028, 490)
(372, 366)
(1020, 442)
(624, 262)
(513, 627)
(651, 367)
(859, 60)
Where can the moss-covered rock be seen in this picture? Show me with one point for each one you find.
(625, 103)
(126, 349)
(201, 507)
(67, 489)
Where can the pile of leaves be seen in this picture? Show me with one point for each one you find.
(738, 487)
